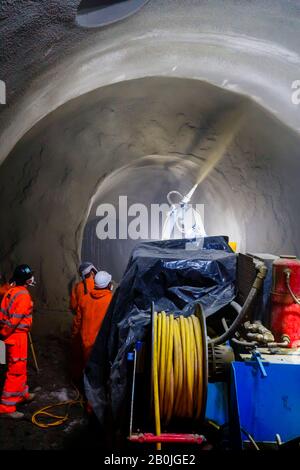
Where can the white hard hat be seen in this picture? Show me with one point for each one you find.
(102, 279)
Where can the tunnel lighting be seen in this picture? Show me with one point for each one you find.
(95, 13)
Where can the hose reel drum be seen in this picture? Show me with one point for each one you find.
(182, 362)
(179, 366)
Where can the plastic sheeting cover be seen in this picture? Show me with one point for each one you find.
(173, 274)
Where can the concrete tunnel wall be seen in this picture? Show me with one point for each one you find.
(57, 168)
(73, 126)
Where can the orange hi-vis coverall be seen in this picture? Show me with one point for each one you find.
(90, 314)
(77, 364)
(15, 322)
(78, 292)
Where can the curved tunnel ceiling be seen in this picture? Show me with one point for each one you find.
(95, 13)
(150, 87)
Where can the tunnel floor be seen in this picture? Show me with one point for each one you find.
(51, 385)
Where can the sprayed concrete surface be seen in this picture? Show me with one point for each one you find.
(57, 169)
(132, 108)
(83, 103)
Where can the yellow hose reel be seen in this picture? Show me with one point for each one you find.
(179, 367)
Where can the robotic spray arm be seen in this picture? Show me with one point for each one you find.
(182, 218)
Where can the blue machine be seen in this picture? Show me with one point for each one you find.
(264, 406)
(217, 403)
(263, 401)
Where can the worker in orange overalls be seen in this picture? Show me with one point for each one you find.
(15, 323)
(4, 286)
(87, 273)
(91, 312)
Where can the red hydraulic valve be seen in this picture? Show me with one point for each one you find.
(148, 437)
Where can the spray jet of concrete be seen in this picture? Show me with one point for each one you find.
(187, 220)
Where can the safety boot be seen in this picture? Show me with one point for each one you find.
(13, 415)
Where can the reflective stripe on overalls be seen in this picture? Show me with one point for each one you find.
(11, 315)
(15, 387)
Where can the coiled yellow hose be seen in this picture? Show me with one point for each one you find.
(55, 419)
(178, 377)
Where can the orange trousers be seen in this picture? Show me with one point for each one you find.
(15, 388)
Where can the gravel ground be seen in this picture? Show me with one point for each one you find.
(51, 385)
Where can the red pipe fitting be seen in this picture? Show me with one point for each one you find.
(148, 437)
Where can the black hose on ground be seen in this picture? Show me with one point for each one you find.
(242, 311)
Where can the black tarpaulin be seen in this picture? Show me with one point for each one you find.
(174, 274)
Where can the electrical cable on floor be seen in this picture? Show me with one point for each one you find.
(251, 439)
(58, 419)
(178, 370)
(214, 424)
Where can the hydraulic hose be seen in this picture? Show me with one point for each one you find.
(288, 273)
(283, 344)
(178, 369)
(252, 344)
(237, 341)
(242, 311)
